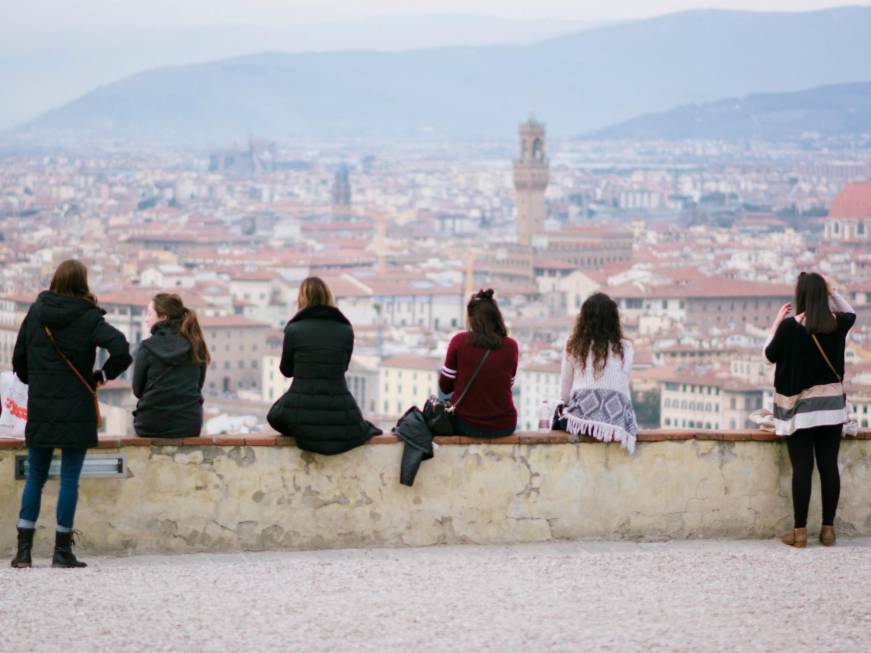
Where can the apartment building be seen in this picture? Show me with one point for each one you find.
(407, 381)
(707, 401)
(364, 382)
(705, 302)
(384, 299)
(273, 383)
(535, 384)
(237, 345)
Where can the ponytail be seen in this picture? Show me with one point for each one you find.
(190, 329)
(173, 308)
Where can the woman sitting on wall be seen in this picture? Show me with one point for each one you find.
(318, 410)
(55, 354)
(487, 407)
(810, 407)
(170, 371)
(594, 381)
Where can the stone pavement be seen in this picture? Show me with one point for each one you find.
(573, 596)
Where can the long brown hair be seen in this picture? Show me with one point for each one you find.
(172, 307)
(485, 320)
(812, 299)
(313, 291)
(71, 280)
(597, 329)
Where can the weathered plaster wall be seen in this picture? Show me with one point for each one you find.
(206, 497)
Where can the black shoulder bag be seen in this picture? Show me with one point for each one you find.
(440, 415)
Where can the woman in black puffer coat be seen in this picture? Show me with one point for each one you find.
(55, 355)
(318, 410)
(170, 372)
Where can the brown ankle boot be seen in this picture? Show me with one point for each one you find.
(796, 538)
(827, 535)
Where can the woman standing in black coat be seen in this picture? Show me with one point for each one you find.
(318, 410)
(55, 354)
(170, 371)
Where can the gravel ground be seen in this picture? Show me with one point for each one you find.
(678, 596)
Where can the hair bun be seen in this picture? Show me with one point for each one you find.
(484, 294)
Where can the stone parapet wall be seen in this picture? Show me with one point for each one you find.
(262, 492)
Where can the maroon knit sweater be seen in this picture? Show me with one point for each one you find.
(488, 406)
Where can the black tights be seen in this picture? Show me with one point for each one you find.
(825, 441)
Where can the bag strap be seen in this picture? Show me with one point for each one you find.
(75, 370)
(69, 363)
(826, 358)
(91, 391)
(471, 379)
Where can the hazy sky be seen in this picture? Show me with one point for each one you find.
(90, 15)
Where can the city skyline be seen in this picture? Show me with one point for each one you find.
(698, 242)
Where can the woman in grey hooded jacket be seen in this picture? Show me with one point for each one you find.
(170, 372)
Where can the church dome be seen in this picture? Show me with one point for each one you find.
(852, 202)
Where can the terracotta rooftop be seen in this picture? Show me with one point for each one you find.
(852, 202)
(708, 288)
(413, 363)
(547, 368)
(230, 321)
(253, 276)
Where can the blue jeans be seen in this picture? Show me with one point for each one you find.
(38, 463)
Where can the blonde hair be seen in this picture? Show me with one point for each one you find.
(314, 292)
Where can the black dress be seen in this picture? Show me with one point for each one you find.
(318, 410)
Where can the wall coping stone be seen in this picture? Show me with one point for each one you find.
(521, 437)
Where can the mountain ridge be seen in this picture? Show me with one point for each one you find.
(578, 83)
(834, 110)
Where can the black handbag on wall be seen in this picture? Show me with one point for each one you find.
(440, 415)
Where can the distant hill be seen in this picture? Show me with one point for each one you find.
(576, 84)
(41, 71)
(832, 111)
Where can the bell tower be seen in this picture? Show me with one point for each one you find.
(531, 173)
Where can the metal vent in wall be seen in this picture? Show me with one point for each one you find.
(96, 466)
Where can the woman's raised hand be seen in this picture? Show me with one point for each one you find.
(784, 311)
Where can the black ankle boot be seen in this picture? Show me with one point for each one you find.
(63, 552)
(25, 545)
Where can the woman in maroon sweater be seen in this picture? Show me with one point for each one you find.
(487, 410)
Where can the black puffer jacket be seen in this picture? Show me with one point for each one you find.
(318, 410)
(413, 430)
(168, 385)
(60, 411)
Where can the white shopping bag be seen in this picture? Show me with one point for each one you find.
(13, 400)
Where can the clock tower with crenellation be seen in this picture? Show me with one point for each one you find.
(531, 173)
